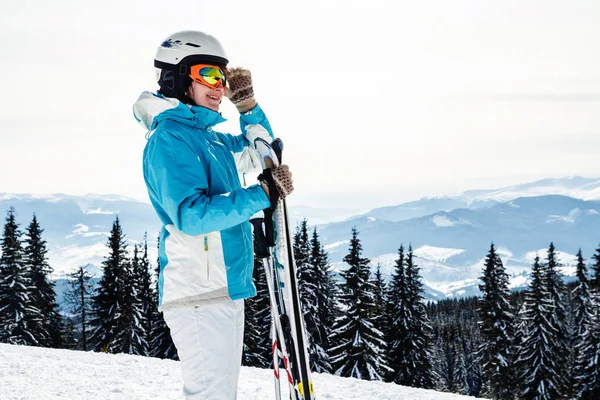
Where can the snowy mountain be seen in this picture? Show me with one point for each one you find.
(450, 234)
(36, 373)
(575, 187)
(450, 246)
(77, 227)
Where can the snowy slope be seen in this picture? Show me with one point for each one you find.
(34, 373)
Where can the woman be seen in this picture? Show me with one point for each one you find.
(206, 248)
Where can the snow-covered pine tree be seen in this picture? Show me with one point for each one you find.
(359, 343)
(474, 375)
(327, 311)
(399, 348)
(41, 294)
(307, 286)
(146, 294)
(447, 353)
(497, 331)
(536, 361)
(419, 327)
(586, 335)
(79, 297)
(162, 345)
(380, 297)
(461, 377)
(595, 280)
(133, 308)
(559, 297)
(257, 323)
(18, 316)
(469, 371)
(108, 335)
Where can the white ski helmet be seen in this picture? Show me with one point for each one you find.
(180, 51)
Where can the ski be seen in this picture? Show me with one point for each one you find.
(274, 247)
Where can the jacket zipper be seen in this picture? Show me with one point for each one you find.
(207, 260)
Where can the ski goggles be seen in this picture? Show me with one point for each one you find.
(208, 75)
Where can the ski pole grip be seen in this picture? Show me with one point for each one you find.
(269, 229)
(261, 250)
(277, 147)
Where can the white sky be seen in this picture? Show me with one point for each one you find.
(386, 101)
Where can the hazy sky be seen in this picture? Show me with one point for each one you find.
(378, 102)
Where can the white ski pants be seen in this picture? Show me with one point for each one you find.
(209, 341)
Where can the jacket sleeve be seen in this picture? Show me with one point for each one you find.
(177, 179)
(237, 143)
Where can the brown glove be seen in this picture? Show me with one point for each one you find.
(239, 89)
(282, 179)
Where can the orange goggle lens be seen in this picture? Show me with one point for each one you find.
(208, 75)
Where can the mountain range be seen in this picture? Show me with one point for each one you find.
(450, 234)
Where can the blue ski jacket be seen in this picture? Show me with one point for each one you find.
(206, 246)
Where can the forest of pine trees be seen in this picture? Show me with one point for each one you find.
(539, 343)
(118, 315)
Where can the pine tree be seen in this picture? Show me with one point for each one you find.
(133, 309)
(257, 320)
(587, 336)
(496, 321)
(379, 311)
(473, 374)
(18, 315)
(359, 347)
(109, 309)
(537, 365)
(398, 350)
(307, 286)
(42, 295)
(462, 375)
(326, 301)
(146, 295)
(595, 281)
(162, 345)
(419, 328)
(558, 297)
(79, 297)
(448, 354)
(589, 377)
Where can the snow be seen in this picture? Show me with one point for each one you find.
(443, 221)
(589, 190)
(336, 244)
(53, 198)
(566, 259)
(38, 373)
(449, 287)
(99, 211)
(439, 254)
(74, 256)
(573, 214)
(518, 281)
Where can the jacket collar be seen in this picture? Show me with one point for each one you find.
(150, 109)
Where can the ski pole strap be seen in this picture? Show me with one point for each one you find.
(267, 177)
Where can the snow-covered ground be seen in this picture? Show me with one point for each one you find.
(31, 373)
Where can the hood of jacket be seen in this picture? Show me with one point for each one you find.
(151, 108)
